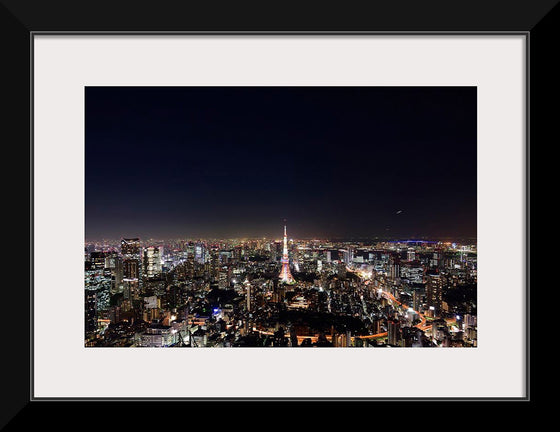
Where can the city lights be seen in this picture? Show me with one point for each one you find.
(289, 216)
(363, 294)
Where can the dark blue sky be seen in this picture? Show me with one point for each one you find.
(167, 162)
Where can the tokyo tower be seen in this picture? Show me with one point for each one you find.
(285, 275)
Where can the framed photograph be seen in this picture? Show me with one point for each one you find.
(312, 212)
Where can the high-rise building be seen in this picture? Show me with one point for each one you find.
(98, 260)
(248, 296)
(130, 248)
(131, 269)
(393, 332)
(434, 291)
(411, 254)
(224, 277)
(276, 251)
(200, 253)
(114, 264)
(152, 262)
(416, 299)
(394, 267)
(285, 274)
(131, 278)
(91, 311)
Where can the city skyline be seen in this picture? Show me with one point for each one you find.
(216, 162)
(288, 293)
(280, 217)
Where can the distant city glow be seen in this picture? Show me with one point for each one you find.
(385, 288)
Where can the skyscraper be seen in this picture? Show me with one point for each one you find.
(130, 250)
(248, 296)
(115, 265)
(152, 261)
(434, 289)
(285, 274)
(393, 332)
(394, 267)
(98, 260)
(91, 311)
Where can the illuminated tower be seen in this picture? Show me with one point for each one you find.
(285, 275)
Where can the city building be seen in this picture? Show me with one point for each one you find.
(90, 312)
(152, 262)
(434, 292)
(393, 332)
(130, 248)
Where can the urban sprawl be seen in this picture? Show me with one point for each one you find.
(280, 293)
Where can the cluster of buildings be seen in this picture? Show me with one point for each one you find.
(280, 293)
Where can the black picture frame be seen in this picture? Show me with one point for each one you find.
(21, 19)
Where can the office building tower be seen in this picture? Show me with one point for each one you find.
(130, 248)
(416, 300)
(152, 262)
(434, 292)
(394, 267)
(131, 279)
(97, 260)
(90, 311)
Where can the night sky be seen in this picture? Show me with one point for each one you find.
(224, 162)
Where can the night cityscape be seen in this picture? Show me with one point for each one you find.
(280, 217)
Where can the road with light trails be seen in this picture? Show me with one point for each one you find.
(421, 325)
